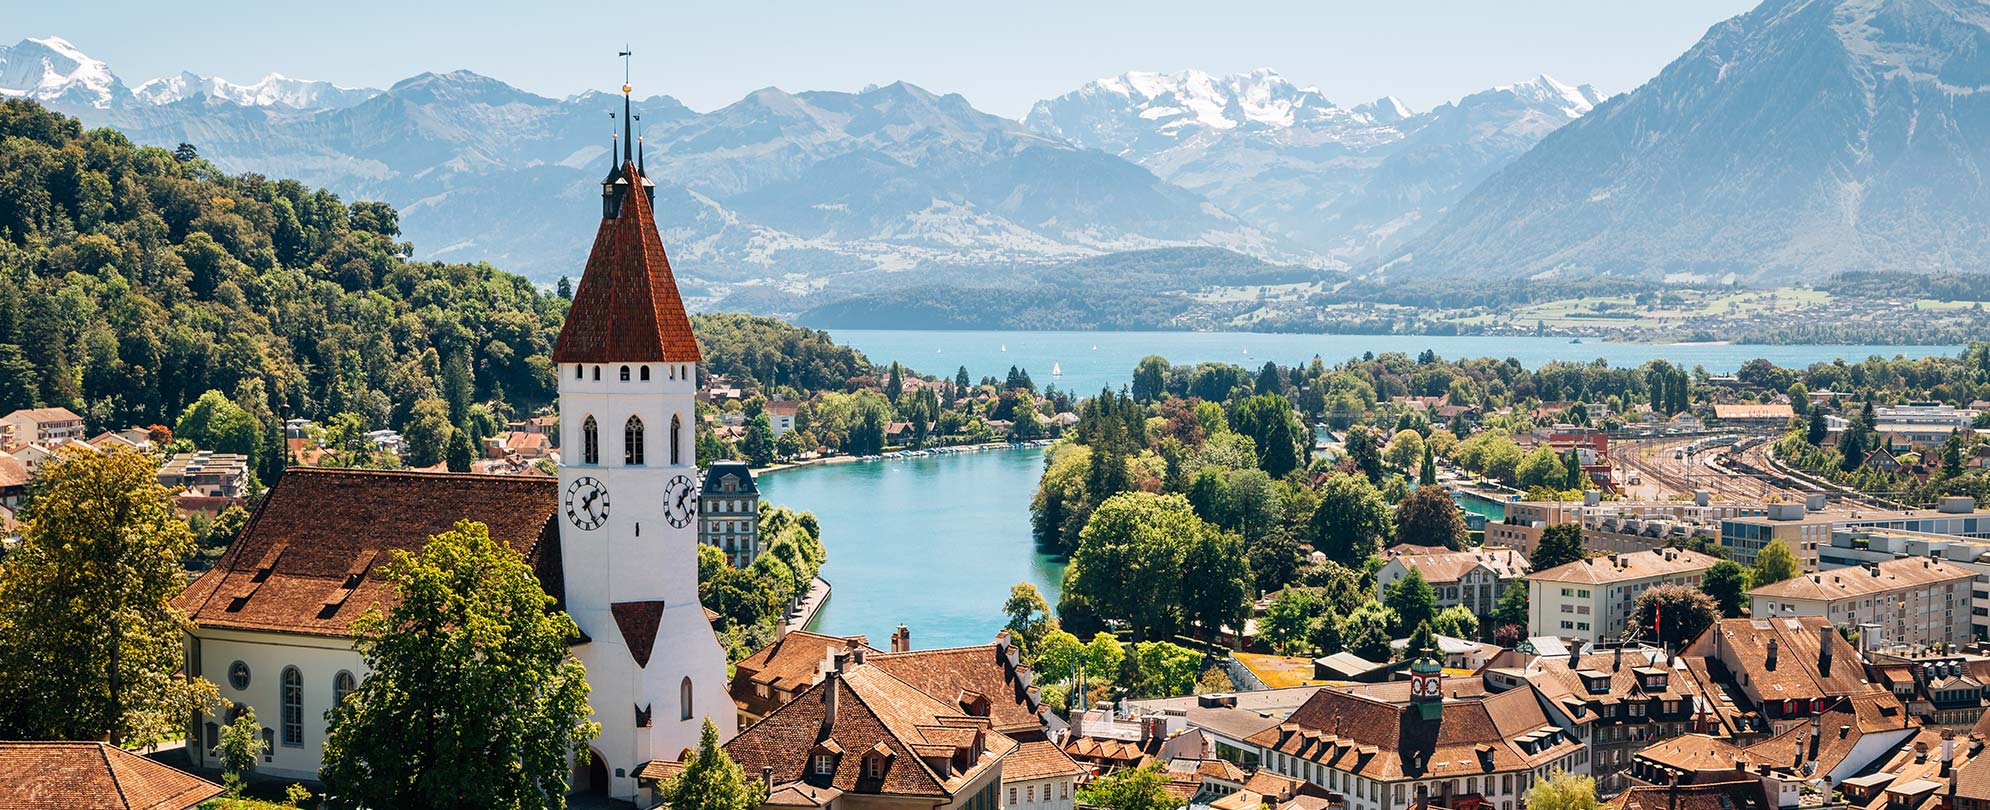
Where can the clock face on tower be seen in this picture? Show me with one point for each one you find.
(680, 501)
(587, 503)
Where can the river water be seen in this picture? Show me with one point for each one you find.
(935, 542)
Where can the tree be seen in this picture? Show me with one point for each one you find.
(1288, 621)
(1352, 521)
(240, 746)
(1512, 606)
(1143, 788)
(1129, 559)
(1952, 457)
(1165, 669)
(1275, 431)
(1405, 450)
(461, 454)
(1149, 377)
(216, 423)
(1541, 468)
(1456, 621)
(1216, 584)
(1213, 681)
(1365, 631)
(89, 637)
(1673, 614)
(564, 289)
(1561, 791)
(1817, 429)
(1029, 620)
(1058, 657)
(474, 698)
(1560, 544)
(185, 153)
(1412, 600)
(758, 444)
(1429, 517)
(1366, 451)
(1775, 563)
(1727, 583)
(711, 780)
(1426, 470)
(427, 432)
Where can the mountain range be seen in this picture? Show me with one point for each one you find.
(1801, 139)
(805, 195)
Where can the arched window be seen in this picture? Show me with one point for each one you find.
(646, 374)
(632, 442)
(684, 697)
(293, 707)
(343, 685)
(579, 371)
(590, 442)
(676, 431)
(625, 374)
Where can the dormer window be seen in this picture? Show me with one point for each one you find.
(825, 764)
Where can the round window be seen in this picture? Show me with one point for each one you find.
(238, 675)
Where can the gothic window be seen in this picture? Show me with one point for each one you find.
(293, 707)
(646, 374)
(684, 698)
(590, 442)
(676, 431)
(632, 442)
(343, 685)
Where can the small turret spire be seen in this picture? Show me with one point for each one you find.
(628, 118)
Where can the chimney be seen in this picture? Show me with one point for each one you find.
(1844, 731)
(829, 683)
(767, 777)
(1617, 665)
(1948, 750)
(901, 641)
(1824, 640)
(1771, 662)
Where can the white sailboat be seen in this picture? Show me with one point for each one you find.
(1005, 347)
(1056, 370)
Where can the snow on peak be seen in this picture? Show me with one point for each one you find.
(1574, 100)
(273, 90)
(52, 69)
(1192, 96)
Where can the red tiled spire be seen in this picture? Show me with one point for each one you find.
(626, 309)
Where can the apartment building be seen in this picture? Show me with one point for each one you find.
(1592, 599)
(1902, 601)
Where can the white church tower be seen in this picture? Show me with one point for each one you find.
(628, 508)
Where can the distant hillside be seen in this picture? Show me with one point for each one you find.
(1803, 138)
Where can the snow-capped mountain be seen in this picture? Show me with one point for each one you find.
(1343, 181)
(51, 70)
(273, 90)
(1802, 138)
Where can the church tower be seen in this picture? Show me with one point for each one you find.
(628, 368)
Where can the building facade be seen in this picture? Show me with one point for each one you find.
(1474, 579)
(1591, 599)
(729, 512)
(1905, 601)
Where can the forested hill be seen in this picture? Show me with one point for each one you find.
(134, 279)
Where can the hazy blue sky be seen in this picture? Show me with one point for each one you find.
(1002, 56)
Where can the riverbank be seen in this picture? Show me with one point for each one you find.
(808, 608)
(948, 450)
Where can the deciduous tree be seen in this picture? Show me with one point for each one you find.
(1727, 583)
(1429, 517)
(1352, 521)
(1775, 563)
(1673, 614)
(1141, 788)
(473, 699)
(711, 780)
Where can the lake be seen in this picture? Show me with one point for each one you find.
(932, 542)
(1092, 360)
(935, 542)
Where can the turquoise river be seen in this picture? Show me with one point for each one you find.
(935, 542)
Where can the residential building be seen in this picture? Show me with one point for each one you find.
(864, 738)
(987, 680)
(1617, 526)
(1902, 601)
(44, 426)
(781, 415)
(1592, 599)
(1618, 701)
(729, 512)
(1941, 689)
(1227, 720)
(1474, 579)
(776, 673)
(1855, 547)
(1423, 749)
(207, 473)
(1040, 776)
(1778, 673)
(14, 480)
(612, 540)
(94, 776)
(1934, 415)
(387, 441)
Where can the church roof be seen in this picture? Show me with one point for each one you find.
(311, 558)
(627, 308)
(94, 776)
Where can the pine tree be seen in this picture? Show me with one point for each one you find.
(1427, 469)
(711, 780)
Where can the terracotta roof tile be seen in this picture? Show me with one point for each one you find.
(948, 673)
(627, 308)
(93, 776)
(311, 558)
(1848, 583)
(1038, 759)
(1734, 794)
(1630, 566)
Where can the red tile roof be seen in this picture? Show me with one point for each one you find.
(951, 672)
(1387, 741)
(93, 776)
(627, 308)
(1038, 759)
(311, 558)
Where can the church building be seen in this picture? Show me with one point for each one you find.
(614, 540)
